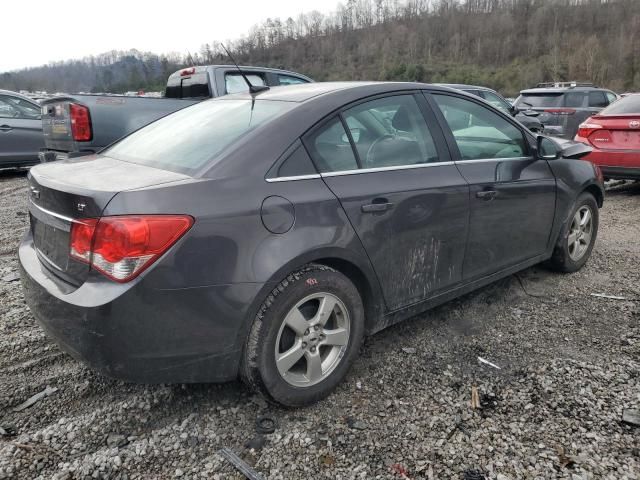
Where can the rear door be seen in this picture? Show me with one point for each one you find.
(386, 161)
(20, 130)
(512, 193)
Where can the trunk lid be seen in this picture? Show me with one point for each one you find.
(619, 132)
(65, 191)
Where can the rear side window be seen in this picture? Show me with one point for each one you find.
(234, 82)
(540, 100)
(390, 131)
(629, 105)
(597, 100)
(574, 99)
(290, 80)
(187, 140)
(194, 86)
(479, 132)
(330, 148)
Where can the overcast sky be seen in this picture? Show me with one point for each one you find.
(35, 33)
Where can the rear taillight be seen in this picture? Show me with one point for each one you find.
(587, 128)
(80, 122)
(121, 247)
(560, 111)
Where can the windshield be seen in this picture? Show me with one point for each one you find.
(540, 100)
(186, 140)
(625, 106)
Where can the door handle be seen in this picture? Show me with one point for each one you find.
(487, 194)
(381, 206)
(5, 128)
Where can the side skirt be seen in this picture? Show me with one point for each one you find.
(412, 310)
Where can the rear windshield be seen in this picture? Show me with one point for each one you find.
(541, 99)
(629, 105)
(185, 141)
(194, 86)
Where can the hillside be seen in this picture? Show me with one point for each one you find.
(506, 44)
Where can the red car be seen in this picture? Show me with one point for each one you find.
(614, 134)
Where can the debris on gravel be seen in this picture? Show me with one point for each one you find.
(569, 376)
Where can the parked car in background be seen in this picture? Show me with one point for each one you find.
(263, 235)
(614, 135)
(526, 117)
(83, 124)
(564, 105)
(20, 130)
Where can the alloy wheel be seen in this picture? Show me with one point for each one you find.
(312, 339)
(580, 233)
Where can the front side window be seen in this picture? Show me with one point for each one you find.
(234, 82)
(479, 132)
(186, 140)
(289, 80)
(611, 97)
(390, 131)
(12, 107)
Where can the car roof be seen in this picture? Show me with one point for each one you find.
(462, 86)
(307, 91)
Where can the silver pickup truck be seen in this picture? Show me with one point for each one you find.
(77, 125)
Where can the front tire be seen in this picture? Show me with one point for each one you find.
(305, 337)
(578, 236)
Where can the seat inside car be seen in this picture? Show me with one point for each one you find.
(400, 149)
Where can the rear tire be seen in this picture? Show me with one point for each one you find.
(578, 236)
(305, 337)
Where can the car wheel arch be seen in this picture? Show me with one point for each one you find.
(597, 193)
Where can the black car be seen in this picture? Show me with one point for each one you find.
(527, 117)
(263, 235)
(563, 106)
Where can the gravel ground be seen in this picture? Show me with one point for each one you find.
(569, 366)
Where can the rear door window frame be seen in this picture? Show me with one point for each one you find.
(433, 125)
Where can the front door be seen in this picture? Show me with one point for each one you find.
(512, 193)
(405, 198)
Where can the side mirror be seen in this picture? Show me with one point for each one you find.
(547, 148)
(513, 110)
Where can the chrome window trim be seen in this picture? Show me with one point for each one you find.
(382, 169)
(294, 178)
(49, 212)
(386, 169)
(484, 160)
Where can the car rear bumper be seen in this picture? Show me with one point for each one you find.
(617, 164)
(138, 333)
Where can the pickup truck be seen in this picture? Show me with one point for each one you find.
(77, 125)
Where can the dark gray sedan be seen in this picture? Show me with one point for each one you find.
(264, 235)
(20, 130)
